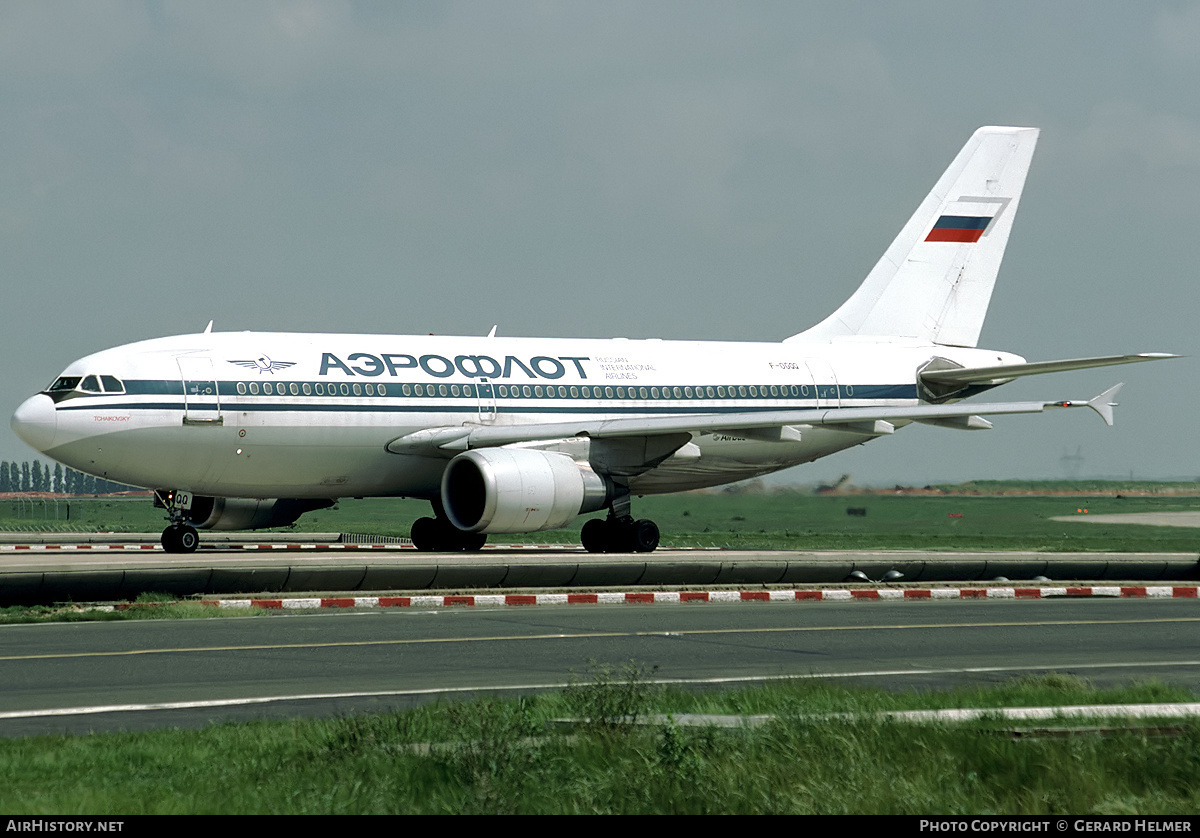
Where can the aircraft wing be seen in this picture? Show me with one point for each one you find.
(1001, 374)
(867, 420)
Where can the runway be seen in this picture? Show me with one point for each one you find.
(148, 674)
(1151, 519)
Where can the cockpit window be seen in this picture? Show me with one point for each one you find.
(67, 382)
(72, 386)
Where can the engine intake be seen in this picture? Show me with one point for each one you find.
(493, 490)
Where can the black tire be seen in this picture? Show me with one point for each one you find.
(425, 535)
(644, 536)
(180, 539)
(595, 536)
(188, 539)
(471, 542)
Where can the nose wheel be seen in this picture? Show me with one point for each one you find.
(180, 538)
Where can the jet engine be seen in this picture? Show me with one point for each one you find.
(250, 513)
(518, 490)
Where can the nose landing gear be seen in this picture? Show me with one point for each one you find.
(180, 536)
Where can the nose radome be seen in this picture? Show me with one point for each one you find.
(36, 422)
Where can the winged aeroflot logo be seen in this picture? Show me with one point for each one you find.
(264, 364)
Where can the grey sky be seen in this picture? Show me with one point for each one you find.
(651, 169)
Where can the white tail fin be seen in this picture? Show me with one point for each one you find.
(935, 281)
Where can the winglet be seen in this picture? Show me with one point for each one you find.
(1104, 404)
(208, 328)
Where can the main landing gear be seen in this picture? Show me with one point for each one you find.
(180, 536)
(438, 535)
(619, 532)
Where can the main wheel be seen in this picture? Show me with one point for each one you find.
(644, 536)
(470, 542)
(594, 536)
(433, 535)
(426, 535)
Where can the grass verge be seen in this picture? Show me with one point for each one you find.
(498, 756)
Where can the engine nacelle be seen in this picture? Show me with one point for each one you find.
(250, 513)
(518, 490)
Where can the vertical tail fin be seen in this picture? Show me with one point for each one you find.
(935, 281)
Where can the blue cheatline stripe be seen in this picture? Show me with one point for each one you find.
(601, 394)
(468, 403)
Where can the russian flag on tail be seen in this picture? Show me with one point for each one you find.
(958, 228)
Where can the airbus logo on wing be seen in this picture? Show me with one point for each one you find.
(264, 364)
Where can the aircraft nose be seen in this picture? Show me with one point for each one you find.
(36, 422)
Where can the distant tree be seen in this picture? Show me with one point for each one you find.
(4, 485)
(25, 479)
(35, 478)
(57, 484)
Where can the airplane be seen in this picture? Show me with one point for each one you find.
(246, 430)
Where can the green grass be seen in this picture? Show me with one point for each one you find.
(987, 518)
(500, 756)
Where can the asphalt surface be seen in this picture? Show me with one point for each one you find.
(76, 678)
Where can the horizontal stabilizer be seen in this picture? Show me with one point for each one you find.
(1000, 374)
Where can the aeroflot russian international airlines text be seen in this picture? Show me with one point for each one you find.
(1117, 824)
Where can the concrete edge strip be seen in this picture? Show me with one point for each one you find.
(656, 597)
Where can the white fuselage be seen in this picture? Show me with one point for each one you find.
(311, 415)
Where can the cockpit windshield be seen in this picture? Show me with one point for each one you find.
(67, 382)
(91, 384)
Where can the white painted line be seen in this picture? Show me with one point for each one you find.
(1173, 710)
